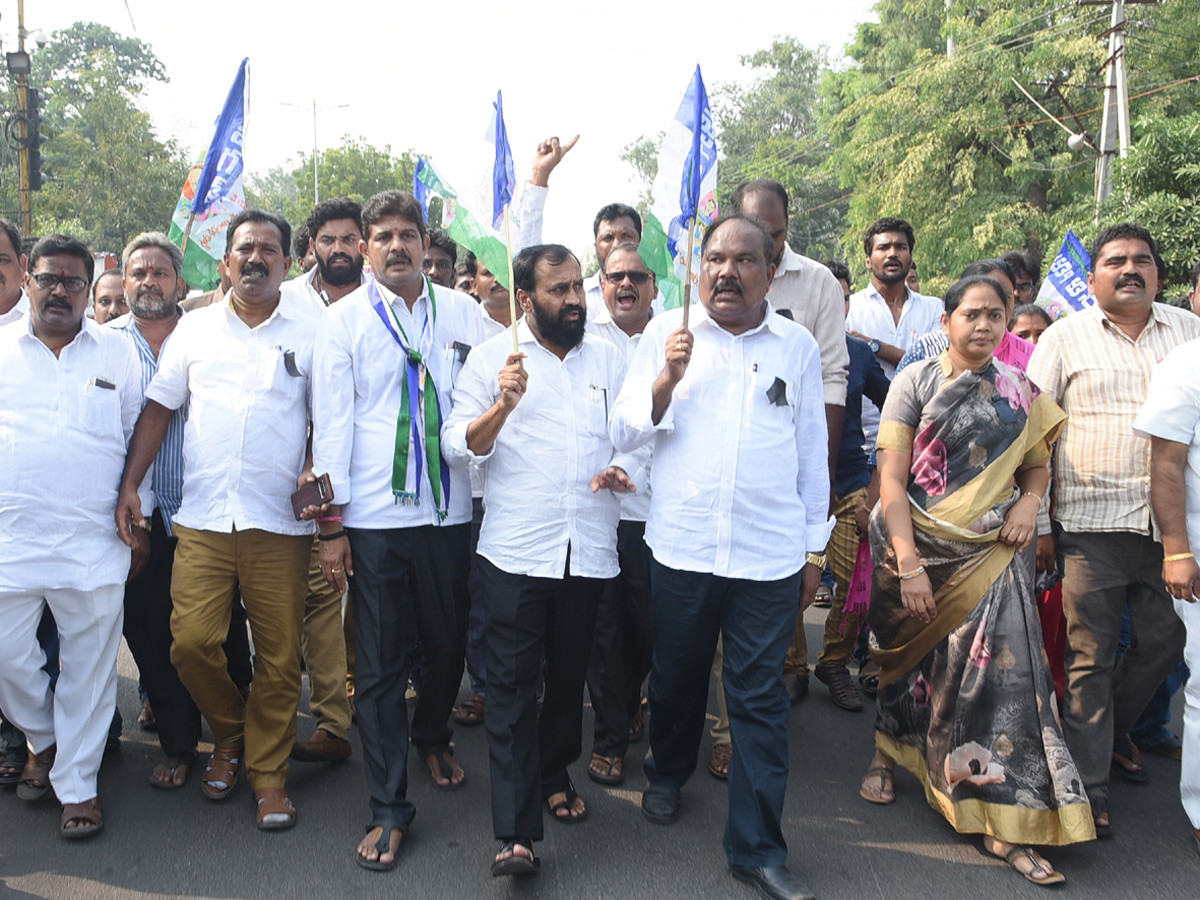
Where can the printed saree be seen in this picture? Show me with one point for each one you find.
(966, 702)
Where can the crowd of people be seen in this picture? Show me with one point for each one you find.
(390, 471)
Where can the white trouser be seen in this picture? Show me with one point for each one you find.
(1189, 768)
(77, 715)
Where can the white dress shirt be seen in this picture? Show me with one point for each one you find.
(813, 296)
(740, 482)
(19, 311)
(870, 315)
(302, 289)
(635, 507)
(65, 424)
(356, 401)
(537, 497)
(250, 393)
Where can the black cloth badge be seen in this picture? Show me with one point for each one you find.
(461, 350)
(777, 392)
(786, 313)
(289, 363)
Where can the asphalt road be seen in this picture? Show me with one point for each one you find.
(178, 844)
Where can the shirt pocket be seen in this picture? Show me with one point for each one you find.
(596, 401)
(282, 376)
(99, 411)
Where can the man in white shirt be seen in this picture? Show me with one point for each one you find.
(537, 420)
(620, 658)
(400, 521)
(888, 314)
(14, 304)
(740, 494)
(338, 271)
(336, 229)
(72, 391)
(244, 368)
(1170, 420)
(440, 258)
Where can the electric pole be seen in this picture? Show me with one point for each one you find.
(1114, 128)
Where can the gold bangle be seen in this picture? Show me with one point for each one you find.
(1032, 494)
(1176, 557)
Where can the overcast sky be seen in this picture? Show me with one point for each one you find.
(424, 75)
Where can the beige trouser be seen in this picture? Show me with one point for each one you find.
(272, 572)
(323, 648)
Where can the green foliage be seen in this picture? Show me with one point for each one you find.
(111, 176)
(1158, 185)
(353, 169)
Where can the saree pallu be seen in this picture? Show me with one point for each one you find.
(966, 702)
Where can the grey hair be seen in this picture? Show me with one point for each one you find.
(154, 239)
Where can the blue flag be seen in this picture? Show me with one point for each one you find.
(223, 162)
(1065, 289)
(420, 189)
(504, 176)
(702, 155)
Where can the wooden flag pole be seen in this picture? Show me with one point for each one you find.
(187, 232)
(687, 284)
(512, 290)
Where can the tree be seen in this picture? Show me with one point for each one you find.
(112, 176)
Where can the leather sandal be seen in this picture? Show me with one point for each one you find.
(1016, 853)
(12, 764)
(470, 711)
(1127, 760)
(572, 817)
(841, 687)
(515, 863)
(887, 784)
(275, 811)
(35, 778)
(87, 816)
(719, 761)
(221, 773)
(608, 770)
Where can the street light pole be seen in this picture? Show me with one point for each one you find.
(316, 186)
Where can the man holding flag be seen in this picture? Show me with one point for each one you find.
(387, 359)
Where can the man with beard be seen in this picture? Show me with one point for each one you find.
(337, 272)
(735, 410)
(440, 258)
(243, 367)
(335, 226)
(108, 297)
(620, 658)
(888, 314)
(14, 304)
(71, 392)
(537, 421)
(153, 284)
(399, 525)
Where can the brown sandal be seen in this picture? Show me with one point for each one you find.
(88, 818)
(887, 785)
(35, 779)
(470, 711)
(275, 811)
(718, 763)
(221, 773)
(608, 770)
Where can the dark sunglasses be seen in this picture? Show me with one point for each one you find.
(638, 278)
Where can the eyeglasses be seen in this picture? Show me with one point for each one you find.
(73, 283)
(638, 278)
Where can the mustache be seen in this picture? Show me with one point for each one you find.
(336, 256)
(149, 289)
(253, 268)
(630, 293)
(397, 256)
(53, 301)
(1131, 278)
(728, 284)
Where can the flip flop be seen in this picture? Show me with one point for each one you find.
(569, 805)
(884, 774)
(446, 771)
(382, 846)
(1052, 877)
(1127, 760)
(173, 763)
(613, 763)
(515, 864)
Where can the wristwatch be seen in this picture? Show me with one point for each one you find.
(874, 345)
(816, 559)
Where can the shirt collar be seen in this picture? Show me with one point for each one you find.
(772, 321)
(525, 336)
(873, 292)
(396, 300)
(789, 262)
(283, 309)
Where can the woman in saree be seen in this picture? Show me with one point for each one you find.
(965, 701)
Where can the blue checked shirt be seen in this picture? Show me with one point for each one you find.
(167, 471)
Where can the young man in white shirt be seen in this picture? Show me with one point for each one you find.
(72, 391)
(537, 420)
(13, 302)
(740, 488)
(244, 368)
(399, 525)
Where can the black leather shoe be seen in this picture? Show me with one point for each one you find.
(660, 805)
(774, 882)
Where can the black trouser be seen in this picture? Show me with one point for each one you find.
(147, 630)
(620, 658)
(529, 617)
(429, 565)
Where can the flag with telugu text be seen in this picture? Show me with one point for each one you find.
(213, 192)
(1065, 289)
(684, 191)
